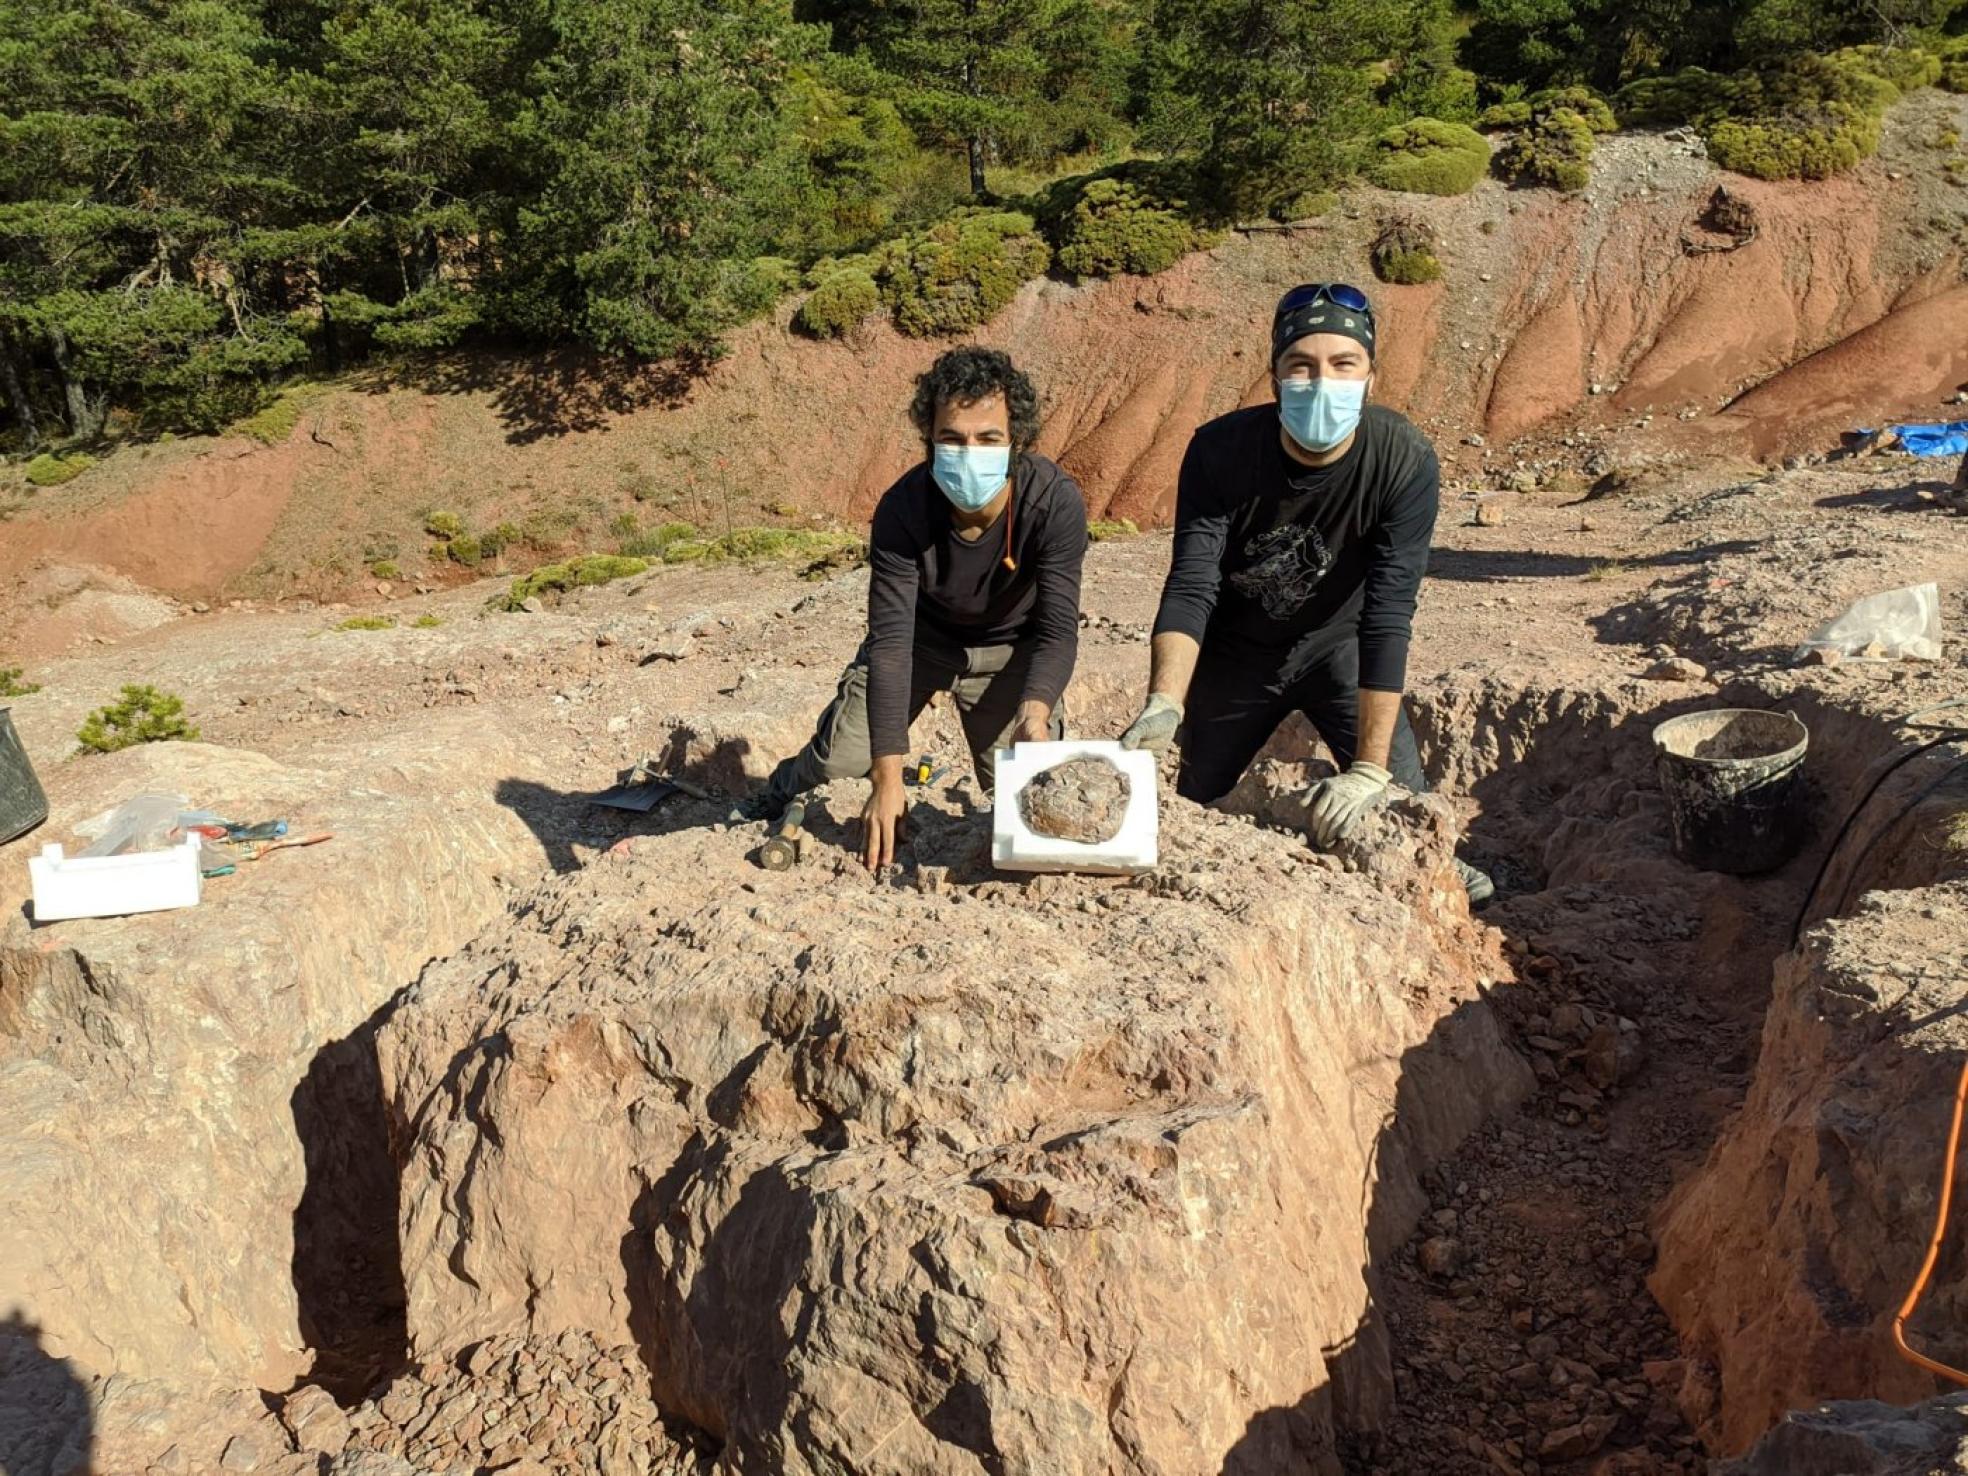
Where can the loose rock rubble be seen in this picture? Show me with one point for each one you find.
(523, 1406)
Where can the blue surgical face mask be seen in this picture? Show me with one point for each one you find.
(1320, 413)
(971, 476)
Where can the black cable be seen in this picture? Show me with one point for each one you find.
(1952, 735)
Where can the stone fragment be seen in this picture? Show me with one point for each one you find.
(1491, 514)
(1440, 1255)
(315, 1420)
(1675, 669)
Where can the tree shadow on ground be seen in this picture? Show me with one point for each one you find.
(348, 1275)
(542, 395)
(1482, 566)
(46, 1425)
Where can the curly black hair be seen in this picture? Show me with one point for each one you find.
(973, 373)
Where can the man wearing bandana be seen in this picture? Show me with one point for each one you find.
(1302, 530)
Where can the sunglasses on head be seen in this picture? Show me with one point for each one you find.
(1340, 294)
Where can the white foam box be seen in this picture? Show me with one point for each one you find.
(114, 886)
(1015, 847)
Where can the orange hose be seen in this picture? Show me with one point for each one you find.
(1934, 1246)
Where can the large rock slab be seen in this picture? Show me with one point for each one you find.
(1079, 1176)
(1783, 1259)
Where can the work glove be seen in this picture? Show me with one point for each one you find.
(1155, 729)
(1334, 806)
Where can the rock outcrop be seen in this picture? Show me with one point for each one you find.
(193, 1160)
(1072, 1176)
(1863, 1438)
(1784, 1258)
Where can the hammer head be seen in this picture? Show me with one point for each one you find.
(779, 853)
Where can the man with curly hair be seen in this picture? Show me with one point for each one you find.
(974, 590)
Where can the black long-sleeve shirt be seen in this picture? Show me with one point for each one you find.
(1282, 560)
(922, 571)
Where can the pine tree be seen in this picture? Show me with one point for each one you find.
(1280, 86)
(655, 159)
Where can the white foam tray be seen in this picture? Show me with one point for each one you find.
(114, 886)
(1016, 847)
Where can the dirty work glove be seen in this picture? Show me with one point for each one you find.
(1335, 805)
(1155, 729)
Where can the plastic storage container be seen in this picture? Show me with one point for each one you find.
(115, 886)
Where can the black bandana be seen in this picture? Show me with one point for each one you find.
(1321, 317)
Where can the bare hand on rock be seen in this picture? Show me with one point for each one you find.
(882, 821)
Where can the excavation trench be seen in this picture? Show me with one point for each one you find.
(1303, 1171)
(1267, 1163)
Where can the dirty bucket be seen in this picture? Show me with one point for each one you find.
(1730, 777)
(23, 804)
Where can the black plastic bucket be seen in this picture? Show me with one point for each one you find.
(1731, 782)
(23, 803)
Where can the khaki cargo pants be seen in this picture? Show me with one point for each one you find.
(987, 683)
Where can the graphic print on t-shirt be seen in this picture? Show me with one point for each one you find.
(1286, 565)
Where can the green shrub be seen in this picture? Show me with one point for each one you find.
(956, 275)
(581, 573)
(1591, 108)
(625, 525)
(466, 549)
(1116, 227)
(1795, 149)
(1429, 157)
(1404, 253)
(1099, 530)
(368, 622)
(1307, 206)
(762, 544)
(275, 421)
(386, 569)
(1408, 268)
(654, 543)
(1555, 150)
(1808, 118)
(426, 622)
(444, 525)
(50, 470)
(1903, 68)
(1954, 75)
(1674, 98)
(141, 715)
(11, 684)
(774, 276)
(498, 539)
(841, 302)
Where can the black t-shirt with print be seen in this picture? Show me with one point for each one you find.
(1282, 560)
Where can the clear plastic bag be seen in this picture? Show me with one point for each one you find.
(1899, 625)
(144, 822)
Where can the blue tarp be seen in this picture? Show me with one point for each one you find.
(1950, 438)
